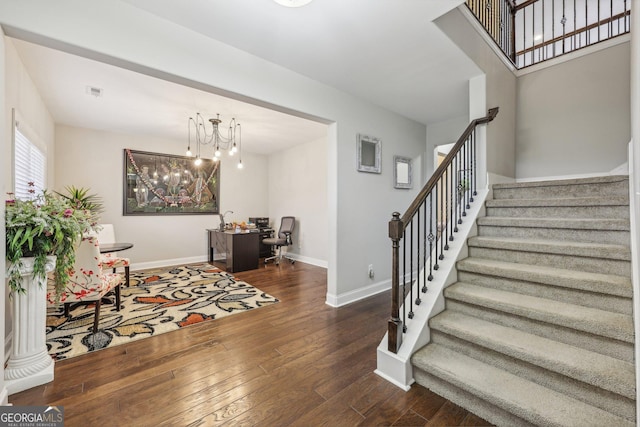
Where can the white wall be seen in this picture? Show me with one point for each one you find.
(359, 206)
(4, 185)
(573, 118)
(500, 90)
(298, 187)
(95, 159)
(446, 132)
(35, 122)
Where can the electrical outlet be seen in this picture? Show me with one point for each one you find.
(370, 271)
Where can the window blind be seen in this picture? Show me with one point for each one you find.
(29, 166)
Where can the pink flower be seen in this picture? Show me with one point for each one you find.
(68, 213)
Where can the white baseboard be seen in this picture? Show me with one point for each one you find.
(167, 262)
(358, 294)
(308, 260)
(196, 259)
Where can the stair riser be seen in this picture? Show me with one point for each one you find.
(589, 264)
(613, 237)
(574, 387)
(588, 341)
(480, 407)
(620, 212)
(600, 301)
(620, 188)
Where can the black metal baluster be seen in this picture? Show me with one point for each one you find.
(446, 216)
(459, 198)
(467, 167)
(431, 237)
(452, 198)
(419, 246)
(553, 25)
(598, 21)
(533, 33)
(611, 19)
(474, 184)
(411, 272)
(404, 281)
(443, 213)
(424, 255)
(437, 235)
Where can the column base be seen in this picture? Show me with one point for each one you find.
(25, 376)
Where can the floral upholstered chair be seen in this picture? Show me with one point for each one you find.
(112, 260)
(87, 281)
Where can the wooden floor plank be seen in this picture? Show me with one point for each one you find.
(299, 362)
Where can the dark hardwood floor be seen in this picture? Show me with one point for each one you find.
(298, 362)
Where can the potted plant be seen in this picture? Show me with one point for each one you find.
(38, 230)
(48, 225)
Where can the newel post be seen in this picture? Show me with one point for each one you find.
(395, 324)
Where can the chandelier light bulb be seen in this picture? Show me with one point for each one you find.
(203, 132)
(215, 159)
(240, 166)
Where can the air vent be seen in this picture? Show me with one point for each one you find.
(94, 91)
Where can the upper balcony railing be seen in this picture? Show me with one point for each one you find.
(533, 31)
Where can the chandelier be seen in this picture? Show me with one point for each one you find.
(232, 142)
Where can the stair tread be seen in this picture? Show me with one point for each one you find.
(570, 223)
(593, 282)
(530, 401)
(559, 202)
(553, 246)
(593, 368)
(563, 182)
(586, 319)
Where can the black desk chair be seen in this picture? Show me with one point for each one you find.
(287, 224)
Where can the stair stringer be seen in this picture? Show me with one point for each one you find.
(634, 206)
(397, 368)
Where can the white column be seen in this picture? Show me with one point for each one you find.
(478, 109)
(29, 363)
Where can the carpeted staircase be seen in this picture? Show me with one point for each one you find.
(538, 330)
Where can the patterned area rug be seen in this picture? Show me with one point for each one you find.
(158, 301)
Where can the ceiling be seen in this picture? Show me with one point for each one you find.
(385, 51)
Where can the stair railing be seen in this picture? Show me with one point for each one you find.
(532, 31)
(421, 236)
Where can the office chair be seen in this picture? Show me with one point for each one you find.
(287, 223)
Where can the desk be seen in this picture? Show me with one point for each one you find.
(114, 247)
(240, 250)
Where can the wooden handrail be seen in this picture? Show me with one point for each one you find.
(575, 32)
(420, 198)
(464, 147)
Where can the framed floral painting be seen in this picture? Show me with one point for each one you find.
(165, 184)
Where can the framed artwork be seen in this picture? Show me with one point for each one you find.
(368, 154)
(402, 172)
(165, 184)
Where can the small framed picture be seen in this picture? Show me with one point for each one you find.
(368, 154)
(402, 172)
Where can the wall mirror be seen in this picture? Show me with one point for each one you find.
(369, 154)
(402, 172)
